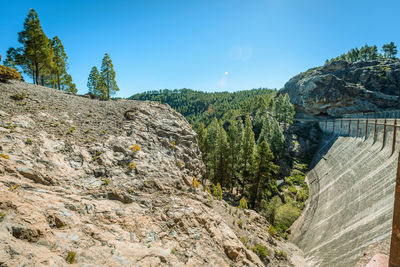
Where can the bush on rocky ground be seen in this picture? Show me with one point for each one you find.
(7, 73)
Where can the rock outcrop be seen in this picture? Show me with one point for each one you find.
(110, 183)
(340, 87)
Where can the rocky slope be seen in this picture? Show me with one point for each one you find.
(340, 87)
(110, 183)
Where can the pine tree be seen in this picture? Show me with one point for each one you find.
(353, 54)
(108, 77)
(265, 131)
(203, 144)
(364, 52)
(212, 139)
(59, 61)
(94, 83)
(67, 84)
(36, 51)
(264, 182)
(279, 112)
(389, 50)
(202, 137)
(10, 60)
(276, 140)
(222, 157)
(247, 152)
(372, 52)
(287, 110)
(234, 139)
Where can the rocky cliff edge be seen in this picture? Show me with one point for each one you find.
(110, 183)
(341, 87)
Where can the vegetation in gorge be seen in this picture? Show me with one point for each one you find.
(241, 136)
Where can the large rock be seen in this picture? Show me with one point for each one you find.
(340, 87)
(109, 183)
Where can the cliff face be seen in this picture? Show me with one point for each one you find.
(110, 183)
(340, 87)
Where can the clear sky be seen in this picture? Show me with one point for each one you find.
(208, 45)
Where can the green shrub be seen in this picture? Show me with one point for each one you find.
(71, 257)
(286, 215)
(271, 207)
(7, 73)
(19, 96)
(208, 189)
(261, 251)
(217, 191)
(272, 231)
(2, 216)
(71, 130)
(240, 224)
(243, 203)
(281, 255)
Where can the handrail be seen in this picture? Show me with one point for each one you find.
(359, 122)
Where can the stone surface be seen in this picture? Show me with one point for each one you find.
(340, 87)
(350, 208)
(72, 181)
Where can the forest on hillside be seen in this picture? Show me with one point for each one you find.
(242, 139)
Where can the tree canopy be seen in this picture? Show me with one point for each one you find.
(367, 52)
(41, 58)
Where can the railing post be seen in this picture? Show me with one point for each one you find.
(394, 136)
(341, 125)
(358, 124)
(366, 129)
(376, 122)
(333, 126)
(394, 257)
(349, 127)
(384, 134)
(326, 124)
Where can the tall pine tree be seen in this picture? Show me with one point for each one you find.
(235, 140)
(36, 54)
(94, 83)
(60, 66)
(247, 152)
(389, 50)
(107, 75)
(264, 182)
(212, 139)
(222, 157)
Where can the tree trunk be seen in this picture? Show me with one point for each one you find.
(37, 73)
(58, 80)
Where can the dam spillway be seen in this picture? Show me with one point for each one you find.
(352, 182)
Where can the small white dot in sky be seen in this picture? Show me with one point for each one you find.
(226, 73)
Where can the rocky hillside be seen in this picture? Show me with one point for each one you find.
(110, 183)
(340, 87)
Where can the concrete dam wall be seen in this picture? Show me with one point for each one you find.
(352, 184)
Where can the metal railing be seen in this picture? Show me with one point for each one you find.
(347, 125)
(387, 114)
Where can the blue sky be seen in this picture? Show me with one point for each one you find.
(202, 44)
